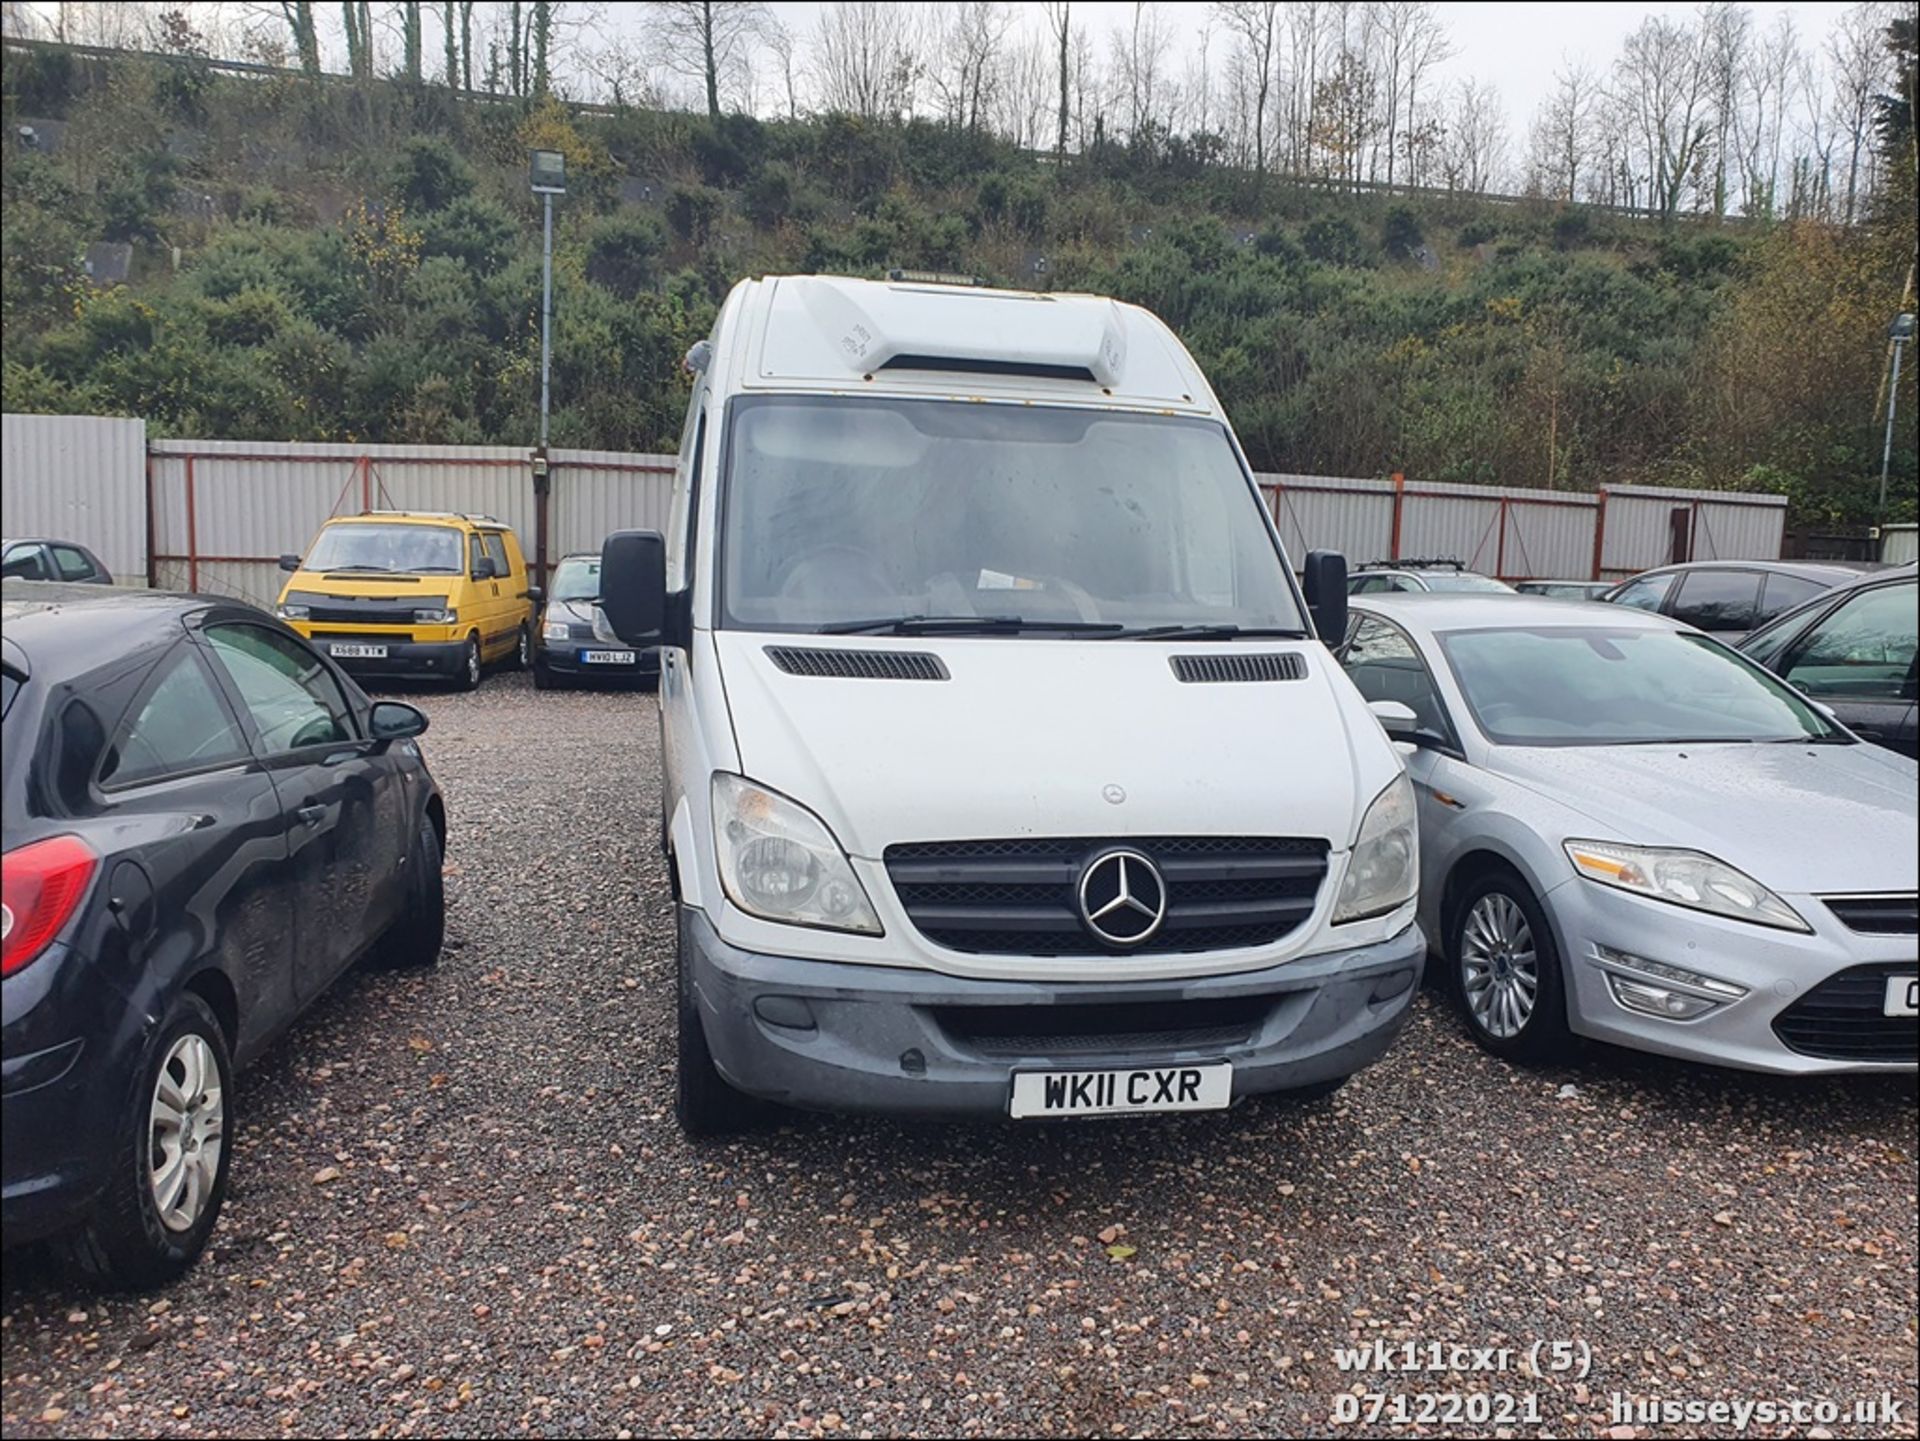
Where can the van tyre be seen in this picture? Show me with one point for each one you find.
(469, 676)
(415, 940)
(703, 1103)
(172, 1146)
(1505, 972)
(523, 649)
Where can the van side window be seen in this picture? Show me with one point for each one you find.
(496, 549)
(680, 518)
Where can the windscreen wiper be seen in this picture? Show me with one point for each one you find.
(1222, 630)
(376, 569)
(963, 625)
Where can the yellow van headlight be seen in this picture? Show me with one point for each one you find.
(436, 615)
(292, 611)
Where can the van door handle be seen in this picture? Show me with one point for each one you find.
(312, 814)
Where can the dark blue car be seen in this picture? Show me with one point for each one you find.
(204, 823)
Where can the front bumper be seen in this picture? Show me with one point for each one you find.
(403, 657)
(563, 658)
(1778, 969)
(830, 1036)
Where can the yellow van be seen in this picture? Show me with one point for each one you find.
(417, 593)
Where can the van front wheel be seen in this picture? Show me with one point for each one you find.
(469, 675)
(703, 1102)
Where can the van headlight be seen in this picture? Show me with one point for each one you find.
(1384, 870)
(1683, 878)
(292, 611)
(779, 861)
(435, 615)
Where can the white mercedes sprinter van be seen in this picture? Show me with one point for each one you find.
(1004, 771)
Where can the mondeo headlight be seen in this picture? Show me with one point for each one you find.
(1683, 878)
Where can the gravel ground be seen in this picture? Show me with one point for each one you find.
(460, 1205)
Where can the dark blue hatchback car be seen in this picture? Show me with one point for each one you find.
(204, 823)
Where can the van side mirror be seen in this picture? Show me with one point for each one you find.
(483, 568)
(633, 585)
(1326, 585)
(289, 561)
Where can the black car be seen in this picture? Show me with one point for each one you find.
(1728, 598)
(204, 822)
(41, 559)
(573, 641)
(1852, 649)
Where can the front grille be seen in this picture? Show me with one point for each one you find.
(341, 611)
(1019, 897)
(857, 664)
(1878, 915)
(1280, 665)
(1126, 1027)
(363, 637)
(580, 630)
(1843, 1018)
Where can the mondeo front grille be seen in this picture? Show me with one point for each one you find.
(1888, 915)
(1844, 1018)
(1022, 897)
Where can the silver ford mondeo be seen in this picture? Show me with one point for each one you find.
(1631, 833)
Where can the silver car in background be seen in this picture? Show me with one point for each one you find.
(1630, 833)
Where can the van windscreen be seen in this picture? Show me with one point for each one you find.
(838, 510)
(386, 548)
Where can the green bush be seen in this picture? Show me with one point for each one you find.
(769, 198)
(691, 211)
(1334, 240)
(430, 174)
(623, 251)
(479, 233)
(1400, 232)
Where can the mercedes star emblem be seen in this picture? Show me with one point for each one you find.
(1122, 898)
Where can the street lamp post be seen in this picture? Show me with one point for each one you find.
(1899, 332)
(548, 176)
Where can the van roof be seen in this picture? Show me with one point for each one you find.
(422, 517)
(797, 332)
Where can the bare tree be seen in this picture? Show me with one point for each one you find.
(1663, 78)
(1857, 61)
(1255, 26)
(1728, 37)
(1764, 83)
(1060, 23)
(357, 16)
(965, 67)
(1139, 53)
(1306, 26)
(780, 43)
(411, 39)
(864, 59)
(1562, 140)
(704, 39)
(1476, 138)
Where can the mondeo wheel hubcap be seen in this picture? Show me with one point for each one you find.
(1499, 969)
(186, 1133)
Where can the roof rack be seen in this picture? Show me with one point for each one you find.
(476, 517)
(1410, 564)
(932, 277)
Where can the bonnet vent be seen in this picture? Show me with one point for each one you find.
(857, 664)
(1278, 665)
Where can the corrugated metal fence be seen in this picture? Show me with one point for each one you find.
(224, 511)
(1519, 534)
(215, 515)
(77, 477)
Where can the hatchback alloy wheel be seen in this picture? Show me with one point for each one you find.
(1499, 968)
(188, 1128)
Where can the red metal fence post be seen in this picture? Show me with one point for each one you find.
(193, 535)
(1599, 533)
(1399, 499)
(153, 565)
(1500, 546)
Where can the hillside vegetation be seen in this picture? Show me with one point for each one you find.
(336, 262)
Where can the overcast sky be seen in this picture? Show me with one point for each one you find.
(1516, 45)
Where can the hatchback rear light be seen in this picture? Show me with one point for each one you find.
(41, 886)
